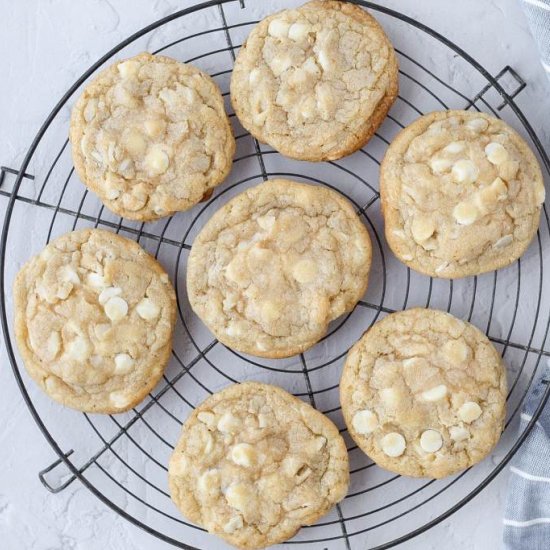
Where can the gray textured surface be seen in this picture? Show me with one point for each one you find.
(45, 46)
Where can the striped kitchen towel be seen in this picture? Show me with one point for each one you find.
(538, 16)
(527, 511)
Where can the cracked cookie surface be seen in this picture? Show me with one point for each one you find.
(424, 394)
(275, 265)
(94, 315)
(461, 194)
(150, 137)
(254, 464)
(315, 82)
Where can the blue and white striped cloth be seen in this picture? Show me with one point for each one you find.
(527, 512)
(538, 16)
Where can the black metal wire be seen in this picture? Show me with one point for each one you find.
(187, 368)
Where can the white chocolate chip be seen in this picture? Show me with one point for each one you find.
(279, 65)
(154, 127)
(311, 67)
(422, 228)
(123, 363)
(254, 77)
(496, 153)
(229, 423)
(317, 444)
(326, 101)
(469, 412)
(234, 330)
(278, 28)
(90, 110)
(208, 443)
(540, 193)
(244, 454)
(116, 308)
(458, 433)
(157, 160)
(454, 147)
(147, 309)
(455, 351)
(128, 68)
(431, 441)
(298, 31)
(120, 400)
(504, 241)
(304, 271)
(390, 397)
(209, 482)
(234, 524)
(95, 280)
(69, 275)
(263, 420)
(393, 444)
(239, 496)
(323, 60)
(435, 394)
(125, 167)
(440, 165)
(96, 155)
(487, 198)
(267, 223)
(465, 213)
(54, 343)
(270, 311)
(465, 171)
(108, 293)
(134, 142)
(112, 194)
(122, 96)
(364, 422)
(477, 124)
(442, 267)
(79, 349)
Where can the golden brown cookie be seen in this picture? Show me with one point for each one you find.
(315, 82)
(424, 393)
(254, 464)
(272, 268)
(150, 137)
(461, 194)
(94, 315)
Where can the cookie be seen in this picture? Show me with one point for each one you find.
(315, 82)
(94, 315)
(461, 194)
(254, 464)
(424, 394)
(277, 263)
(150, 137)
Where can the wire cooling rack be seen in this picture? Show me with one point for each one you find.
(123, 459)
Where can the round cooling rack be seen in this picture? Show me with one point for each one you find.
(123, 459)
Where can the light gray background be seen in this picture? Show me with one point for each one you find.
(45, 45)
